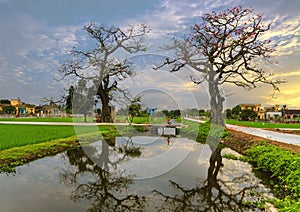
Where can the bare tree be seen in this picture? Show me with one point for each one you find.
(227, 47)
(99, 64)
(213, 194)
(106, 190)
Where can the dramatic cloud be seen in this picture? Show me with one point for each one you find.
(37, 36)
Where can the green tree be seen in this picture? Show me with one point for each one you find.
(247, 115)
(83, 99)
(134, 108)
(175, 113)
(9, 109)
(228, 113)
(236, 111)
(69, 99)
(4, 101)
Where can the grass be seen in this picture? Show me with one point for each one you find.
(203, 132)
(284, 169)
(60, 119)
(136, 120)
(20, 144)
(143, 120)
(20, 135)
(262, 124)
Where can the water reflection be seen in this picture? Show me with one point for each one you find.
(212, 194)
(106, 187)
(103, 188)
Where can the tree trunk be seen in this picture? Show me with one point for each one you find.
(85, 114)
(216, 99)
(105, 112)
(216, 105)
(103, 92)
(215, 163)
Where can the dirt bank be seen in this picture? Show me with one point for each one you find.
(240, 142)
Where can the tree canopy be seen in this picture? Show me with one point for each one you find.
(226, 47)
(100, 66)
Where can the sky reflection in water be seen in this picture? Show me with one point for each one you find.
(173, 176)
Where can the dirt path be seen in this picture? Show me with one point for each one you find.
(240, 142)
(267, 134)
(243, 138)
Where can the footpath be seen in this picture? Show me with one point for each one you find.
(275, 136)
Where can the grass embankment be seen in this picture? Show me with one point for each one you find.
(20, 144)
(200, 132)
(262, 124)
(144, 120)
(283, 167)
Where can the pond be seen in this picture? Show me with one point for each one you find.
(140, 173)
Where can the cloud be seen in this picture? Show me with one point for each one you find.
(289, 74)
(35, 40)
(31, 54)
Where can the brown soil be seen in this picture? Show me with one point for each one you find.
(295, 132)
(241, 141)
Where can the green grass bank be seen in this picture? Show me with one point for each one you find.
(262, 124)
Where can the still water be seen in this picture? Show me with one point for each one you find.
(133, 174)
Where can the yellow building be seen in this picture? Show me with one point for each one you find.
(263, 113)
(22, 108)
(253, 107)
(30, 109)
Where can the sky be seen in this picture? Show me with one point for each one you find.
(36, 37)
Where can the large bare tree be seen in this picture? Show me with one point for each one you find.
(227, 47)
(99, 64)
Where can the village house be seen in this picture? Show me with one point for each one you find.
(22, 109)
(276, 112)
(264, 112)
(291, 114)
(254, 107)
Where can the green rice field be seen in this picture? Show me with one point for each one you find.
(20, 135)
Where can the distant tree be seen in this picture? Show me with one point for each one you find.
(144, 113)
(175, 113)
(122, 111)
(166, 112)
(83, 99)
(134, 108)
(100, 66)
(4, 101)
(236, 111)
(228, 113)
(226, 47)
(69, 99)
(201, 111)
(9, 109)
(247, 115)
(193, 112)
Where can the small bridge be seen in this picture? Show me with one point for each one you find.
(162, 129)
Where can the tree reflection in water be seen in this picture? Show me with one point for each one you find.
(105, 188)
(109, 189)
(213, 194)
